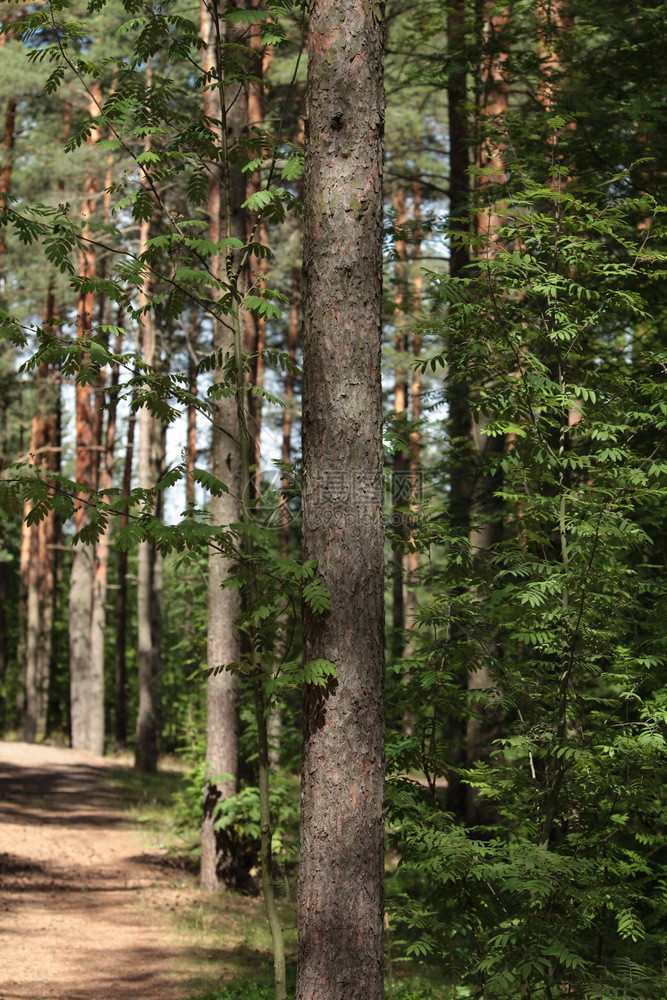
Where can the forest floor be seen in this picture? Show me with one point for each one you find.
(91, 908)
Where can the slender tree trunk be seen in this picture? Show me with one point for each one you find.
(226, 218)
(460, 417)
(37, 548)
(6, 170)
(414, 437)
(486, 515)
(340, 906)
(284, 533)
(459, 227)
(120, 661)
(400, 460)
(49, 540)
(149, 561)
(293, 328)
(31, 570)
(86, 689)
(150, 468)
(5, 185)
(191, 443)
(101, 570)
(255, 326)
(411, 560)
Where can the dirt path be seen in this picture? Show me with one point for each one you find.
(84, 909)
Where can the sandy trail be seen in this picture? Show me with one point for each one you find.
(84, 909)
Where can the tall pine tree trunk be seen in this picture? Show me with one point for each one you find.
(86, 688)
(226, 218)
(340, 905)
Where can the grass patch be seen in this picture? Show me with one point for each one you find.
(228, 932)
(152, 801)
(224, 936)
(256, 989)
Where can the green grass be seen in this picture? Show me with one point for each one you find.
(253, 989)
(152, 802)
(226, 936)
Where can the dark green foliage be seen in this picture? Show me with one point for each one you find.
(557, 888)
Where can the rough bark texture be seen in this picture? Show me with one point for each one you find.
(340, 906)
(86, 687)
(225, 196)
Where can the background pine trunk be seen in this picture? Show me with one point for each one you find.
(227, 192)
(86, 688)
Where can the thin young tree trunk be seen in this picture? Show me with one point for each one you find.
(31, 571)
(486, 516)
(6, 170)
(293, 328)
(226, 218)
(414, 437)
(49, 544)
(459, 226)
(5, 185)
(86, 689)
(255, 326)
(400, 460)
(460, 416)
(284, 525)
(120, 662)
(411, 561)
(101, 570)
(150, 468)
(340, 905)
(191, 441)
(37, 547)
